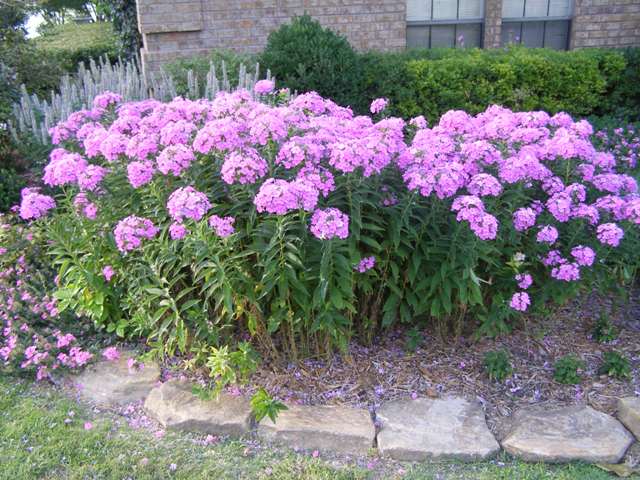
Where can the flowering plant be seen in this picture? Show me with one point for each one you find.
(34, 336)
(303, 225)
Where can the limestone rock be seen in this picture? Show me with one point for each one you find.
(326, 428)
(113, 383)
(175, 406)
(629, 414)
(417, 430)
(566, 434)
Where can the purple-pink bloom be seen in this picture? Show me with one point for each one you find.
(366, 264)
(187, 202)
(329, 223)
(262, 87)
(520, 301)
(609, 234)
(130, 232)
(177, 231)
(378, 105)
(108, 272)
(547, 234)
(111, 353)
(524, 280)
(568, 272)
(584, 256)
(222, 225)
(34, 205)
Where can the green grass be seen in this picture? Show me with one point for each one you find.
(35, 443)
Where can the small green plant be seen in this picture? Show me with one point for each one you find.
(615, 365)
(264, 405)
(497, 365)
(231, 367)
(604, 331)
(413, 340)
(565, 370)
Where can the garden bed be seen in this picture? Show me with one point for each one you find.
(387, 370)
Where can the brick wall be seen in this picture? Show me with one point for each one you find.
(173, 28)
(606, 23)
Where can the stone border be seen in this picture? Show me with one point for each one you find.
(407, 430)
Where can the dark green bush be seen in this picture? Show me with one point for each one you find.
(10, 185)
(615, 365)
(72, 43)
(518, 78)
(304, 56)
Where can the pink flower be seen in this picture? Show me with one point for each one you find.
(34, 205)
(177, 231)
(378, 105)
(111, 353)
(609, 234)
(88, 425)
(520, 301)
(263, 87)
(330, 223)
(130, 232)
(108, 272)
(187, 202)
(222, 225)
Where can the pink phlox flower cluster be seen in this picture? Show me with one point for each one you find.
(263, 87)
(187, 202)
(378, 105)
(130, 232)
(223, 226)
(609, 234)
(244, 167)
(520, 301)
(280, 196)
(329, 223)
(366, 264)
(34, 205)
(175, 159)
(140, 173)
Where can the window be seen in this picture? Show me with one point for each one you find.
(536, 23)
(444, 23)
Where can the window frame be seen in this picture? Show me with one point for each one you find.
(454, 22)
(544, 20)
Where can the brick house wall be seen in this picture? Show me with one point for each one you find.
(606, 23)
(174, 28)
(177, 28)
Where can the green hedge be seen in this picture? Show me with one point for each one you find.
(578, 82)
(72, 43)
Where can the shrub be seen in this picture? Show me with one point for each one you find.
(125, 25)
(305, 57)
(74, 43)
(301, 226)
(615, 365)
(565, 370)
(10, 186)
(517, 78)
(497, 365)
(34, 336)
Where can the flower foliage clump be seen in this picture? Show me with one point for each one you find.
(302, 225)
(33, 336)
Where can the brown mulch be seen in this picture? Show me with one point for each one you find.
(386, 370)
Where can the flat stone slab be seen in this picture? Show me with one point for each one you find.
(629, 414)
(344, 430)
(566, 434)
(114, 383)
(422, 429)
(175, 406)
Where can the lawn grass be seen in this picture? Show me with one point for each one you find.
(36, 443)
